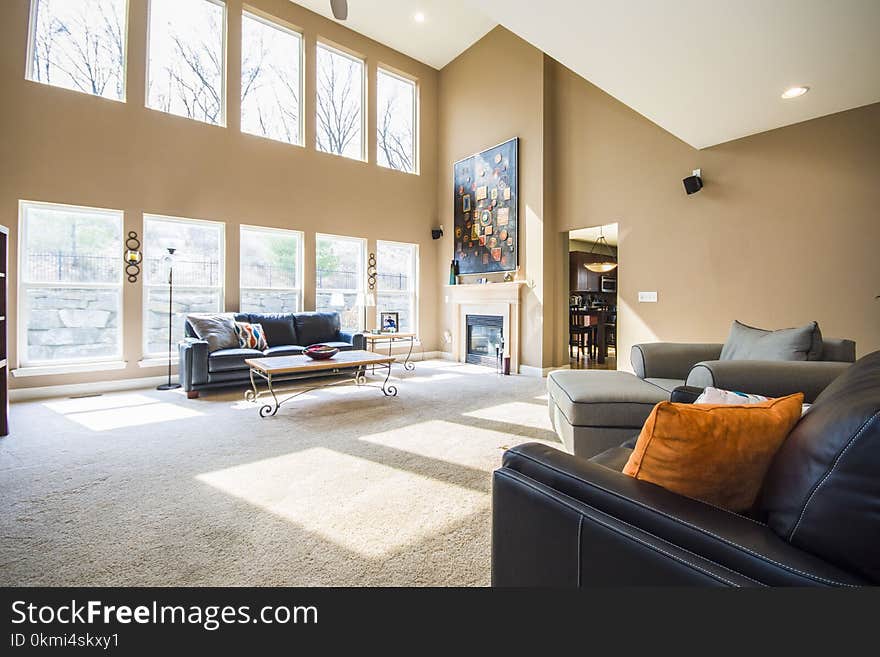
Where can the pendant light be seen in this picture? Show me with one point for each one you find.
(604, 266)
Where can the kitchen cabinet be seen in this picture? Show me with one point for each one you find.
(581, 279)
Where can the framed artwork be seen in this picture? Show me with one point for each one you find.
(487, 182)
(389, 322)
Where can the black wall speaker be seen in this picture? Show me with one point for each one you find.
(694, 183)
(436, 233)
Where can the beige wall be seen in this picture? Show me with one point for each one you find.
(785, 231)
(65, 147)
(489, 94)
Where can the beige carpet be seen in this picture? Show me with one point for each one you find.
(344, 487)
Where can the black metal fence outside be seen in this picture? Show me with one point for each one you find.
(77, 268)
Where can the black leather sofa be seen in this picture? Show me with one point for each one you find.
(564, 521)
(287, 334)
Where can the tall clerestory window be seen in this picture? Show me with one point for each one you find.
(79, 45)
(271, 80)
(340, 102)
(187, 59)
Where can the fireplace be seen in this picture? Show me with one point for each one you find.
(485, 337)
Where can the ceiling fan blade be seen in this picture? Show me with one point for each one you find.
(340, 9)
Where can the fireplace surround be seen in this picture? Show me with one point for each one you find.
(499, 299)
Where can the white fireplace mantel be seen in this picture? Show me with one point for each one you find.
(502, 299)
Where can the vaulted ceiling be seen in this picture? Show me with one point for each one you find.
(450, 26)
(708, 71)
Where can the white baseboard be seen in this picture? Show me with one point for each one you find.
(540, 372)
(75, 389)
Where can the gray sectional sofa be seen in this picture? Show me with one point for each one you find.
(287, 334)
(594, 410)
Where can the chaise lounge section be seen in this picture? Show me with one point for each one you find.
(288, 334)
(592, 411)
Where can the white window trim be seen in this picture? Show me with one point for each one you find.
(223, 55)
(250, 12)
(69, 368)
(29, 61)
(326, 45)
(299, 265)
(417, 137)
(221, 275)
(414, 292)
(361, 289)
(69, 364)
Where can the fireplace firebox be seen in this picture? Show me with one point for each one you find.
(485, 339)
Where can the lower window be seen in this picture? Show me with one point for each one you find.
(196, 266)
(70, 289)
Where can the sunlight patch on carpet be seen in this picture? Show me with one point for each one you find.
(363, 506)
(448, 442)
(521, 413)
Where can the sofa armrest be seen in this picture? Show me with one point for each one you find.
(670, 360)
(659, 536)
(192, 365)
(685, 395)
(356, 340)
(772, 378)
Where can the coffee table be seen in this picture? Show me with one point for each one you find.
(345, 362)
(375, 338)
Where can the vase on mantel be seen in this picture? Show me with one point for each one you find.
(453, 272)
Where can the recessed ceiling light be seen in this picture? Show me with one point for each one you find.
(794, 92)
(419, 17)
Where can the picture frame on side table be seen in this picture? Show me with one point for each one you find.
(390, 322)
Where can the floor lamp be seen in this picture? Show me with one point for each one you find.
(170, 260)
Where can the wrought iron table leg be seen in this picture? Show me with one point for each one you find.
(252, 394)
(267, 409)
(408, 365)
(388, 390)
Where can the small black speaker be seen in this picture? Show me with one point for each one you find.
(694, 183)
(436, 233)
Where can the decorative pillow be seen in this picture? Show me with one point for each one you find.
(715, 453)
(215, 329)
(750, 343)
(712, 395)
(251, 336)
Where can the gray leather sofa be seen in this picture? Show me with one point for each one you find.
(595, 410)
(288, 334)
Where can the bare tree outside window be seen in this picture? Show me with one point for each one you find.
(395, 124)
(270, 80)
(186, 67)
(80, 45)
(340, 100)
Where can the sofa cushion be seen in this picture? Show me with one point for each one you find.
(217, 329)
(822, 492)
(313, 328)
(666, 384)
(225, 360)
(603, 398)
(278, 327)
(284, 350)
(750, 343)
(715, 453)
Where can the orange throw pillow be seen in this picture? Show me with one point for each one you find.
(715, 453)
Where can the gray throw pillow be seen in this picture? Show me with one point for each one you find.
(750, 343)
(217, 330)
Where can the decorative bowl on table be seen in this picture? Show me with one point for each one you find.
(320, 351)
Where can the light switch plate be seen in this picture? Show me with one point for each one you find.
(647, 297)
